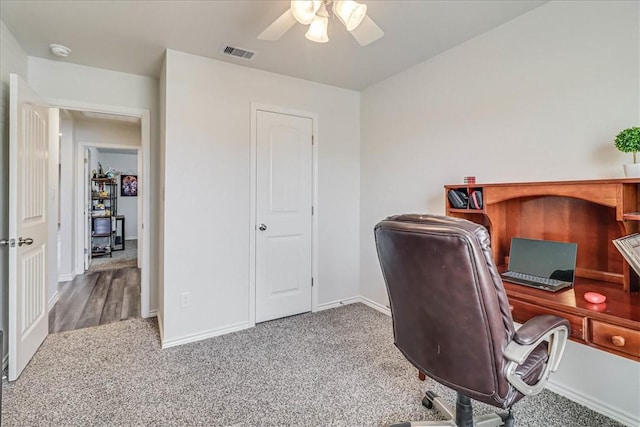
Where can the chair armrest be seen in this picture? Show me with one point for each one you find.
(537, 327)
(540, 328)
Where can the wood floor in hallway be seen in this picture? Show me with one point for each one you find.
(96, 298)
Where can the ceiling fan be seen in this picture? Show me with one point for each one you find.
(315, 13)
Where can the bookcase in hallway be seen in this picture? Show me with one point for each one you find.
(104, 207)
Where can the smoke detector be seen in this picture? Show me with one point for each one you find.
(59, 50)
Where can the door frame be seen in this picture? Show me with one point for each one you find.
(255, 107)
(82, 201)
(84, 188)
(144, 202)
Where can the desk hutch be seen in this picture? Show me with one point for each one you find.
(589, 213)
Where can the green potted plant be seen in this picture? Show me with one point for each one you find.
(628, 141)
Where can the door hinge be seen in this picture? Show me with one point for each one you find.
(311, 210)
(312, 140)
(312, 282)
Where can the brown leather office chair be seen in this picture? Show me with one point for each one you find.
(451, 318)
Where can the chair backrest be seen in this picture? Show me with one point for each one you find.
(451, 315)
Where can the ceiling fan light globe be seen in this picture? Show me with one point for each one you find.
(350, 13)
(317, 31)
(305, 10)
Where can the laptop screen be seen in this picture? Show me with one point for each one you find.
(543, 258)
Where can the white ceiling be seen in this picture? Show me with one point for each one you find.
(131, 36)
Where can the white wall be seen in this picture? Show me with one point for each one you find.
(127, 206)
(538, 98)
(160, 205)
(14, 60)
(66, 268)
(52, 209)
(109, 132)
(68, 84)
(601, 381)
(208, 105)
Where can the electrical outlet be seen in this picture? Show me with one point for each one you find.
(185, 299)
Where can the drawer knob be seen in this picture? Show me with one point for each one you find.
(617, 340)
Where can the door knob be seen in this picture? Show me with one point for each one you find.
(28, 241)
(262, 227)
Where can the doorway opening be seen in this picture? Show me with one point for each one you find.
(111, 208)
(100, 223)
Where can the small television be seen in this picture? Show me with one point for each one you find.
(101, 225)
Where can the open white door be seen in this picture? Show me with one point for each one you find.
(283, 214)
(28, 223)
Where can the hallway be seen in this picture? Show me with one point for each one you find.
(96, 298)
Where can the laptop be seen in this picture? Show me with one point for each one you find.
(541, 264)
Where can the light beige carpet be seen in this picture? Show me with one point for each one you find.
(334, 368)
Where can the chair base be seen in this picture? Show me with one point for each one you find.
(461, 417)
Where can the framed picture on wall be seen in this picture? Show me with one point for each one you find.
(129, 185)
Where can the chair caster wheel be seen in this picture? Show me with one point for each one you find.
(427, 400)
(427, 403)
(507, 419)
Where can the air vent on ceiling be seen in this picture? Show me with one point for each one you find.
(237, 52)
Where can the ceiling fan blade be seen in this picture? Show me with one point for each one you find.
(367, 32)
(278, 27)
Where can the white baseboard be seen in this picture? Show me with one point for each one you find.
(339, 303)
(54, 299)
(152, 313)
(617, 414)
(352, 300)
(245, 325)
(204, 335)
(5, 362)
(66, 277)
(381, 308)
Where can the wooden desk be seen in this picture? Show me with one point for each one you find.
(590, 213)
(613, 326)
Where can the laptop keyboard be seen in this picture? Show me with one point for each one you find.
(532, 279)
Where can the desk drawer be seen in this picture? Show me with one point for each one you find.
(615, 337)
(523, 311)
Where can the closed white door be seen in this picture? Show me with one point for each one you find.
(28, 224)
(283, 215)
